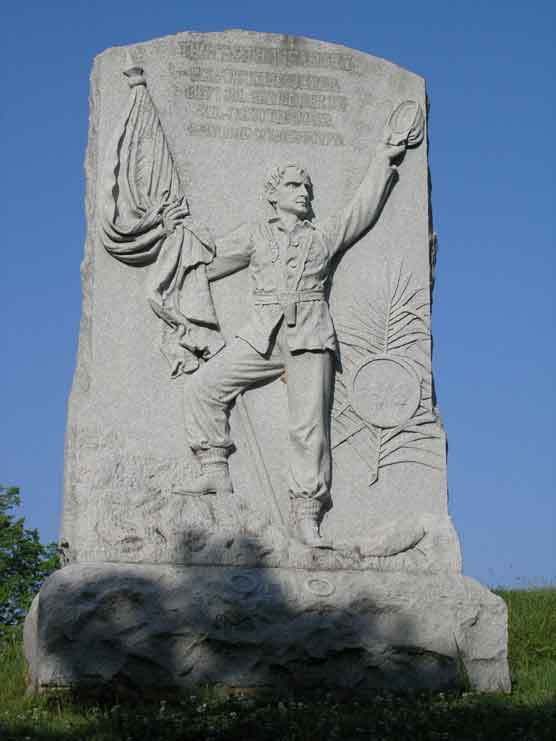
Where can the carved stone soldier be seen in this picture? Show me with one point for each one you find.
(146, 220)
(289, 329)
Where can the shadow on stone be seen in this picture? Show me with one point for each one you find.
(156, 628)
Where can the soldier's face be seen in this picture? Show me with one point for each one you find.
(293, 193)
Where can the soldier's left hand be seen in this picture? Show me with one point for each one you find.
(174, 214)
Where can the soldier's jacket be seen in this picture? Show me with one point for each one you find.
(289, 269)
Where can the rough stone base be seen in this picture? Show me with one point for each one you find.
(98, 625)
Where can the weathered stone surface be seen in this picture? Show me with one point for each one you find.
(171, 590)
(233, 104)
(161, 626)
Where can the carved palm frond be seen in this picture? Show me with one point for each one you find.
(393, 321)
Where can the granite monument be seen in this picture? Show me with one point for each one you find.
(255, 489)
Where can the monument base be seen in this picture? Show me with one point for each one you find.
(155, 627)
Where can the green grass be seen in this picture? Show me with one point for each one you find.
(528, 714)
(532, 643)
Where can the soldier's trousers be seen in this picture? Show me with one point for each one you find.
(309, 377)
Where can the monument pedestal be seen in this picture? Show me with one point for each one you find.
(100, 626)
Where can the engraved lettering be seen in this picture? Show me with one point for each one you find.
(265, 116)
(298, 100)
(201, 92)
(271, 98)
(276, 136)
(214, 131)
(215, 52)
(290, 136)
(235, 95)
(257, 78)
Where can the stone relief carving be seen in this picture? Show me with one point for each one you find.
(170, 592)
(382, 405)
(145, 220)
(383, 398)
(135, 517)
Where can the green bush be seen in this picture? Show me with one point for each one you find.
(25, 563)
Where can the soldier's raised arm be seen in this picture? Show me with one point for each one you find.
(405, 128)
(345, 227)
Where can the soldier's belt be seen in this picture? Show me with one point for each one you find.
(287, 300)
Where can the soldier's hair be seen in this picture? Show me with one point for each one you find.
(274, 178)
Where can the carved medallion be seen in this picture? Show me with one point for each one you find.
(244, 582)
(386, 391)
(320, 587)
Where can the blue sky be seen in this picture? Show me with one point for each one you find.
(490, 70)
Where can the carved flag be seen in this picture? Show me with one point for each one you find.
(140, 181)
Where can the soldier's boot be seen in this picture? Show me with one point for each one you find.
(306, 514)
(214, 478)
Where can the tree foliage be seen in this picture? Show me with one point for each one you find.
(25, 562)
